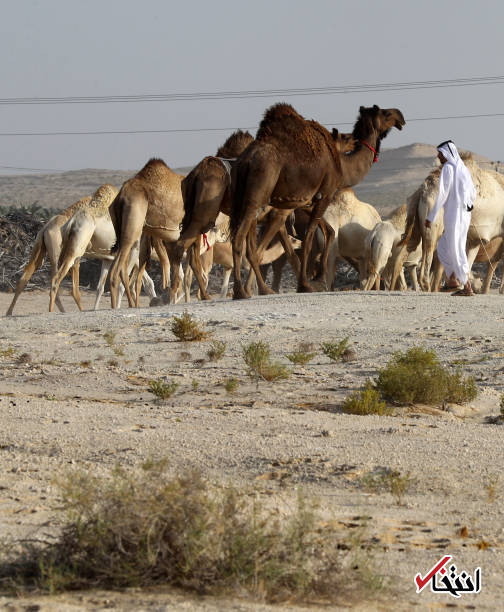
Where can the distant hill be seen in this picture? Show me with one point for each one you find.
(396, 175)
(61, 189)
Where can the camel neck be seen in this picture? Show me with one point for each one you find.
(355, 165)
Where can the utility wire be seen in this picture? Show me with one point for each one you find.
(220, 129)
(260, 93)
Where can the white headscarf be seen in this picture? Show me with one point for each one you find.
(462, 181)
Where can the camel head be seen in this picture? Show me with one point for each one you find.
(377, 120)
(344, 142)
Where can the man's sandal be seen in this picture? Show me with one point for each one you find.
(463, 292)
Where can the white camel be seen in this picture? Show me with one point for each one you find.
(345, 209)
(487, 219)
(382, 248)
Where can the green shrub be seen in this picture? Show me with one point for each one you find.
(187, 329)
(301, 356)
(258, 359)
(146, 528)
(417, 376)
(161, 389)
(335, 350)
(366, 401)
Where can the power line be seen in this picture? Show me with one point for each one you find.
(220, 129)
(260, 93)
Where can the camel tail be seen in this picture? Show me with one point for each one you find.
(70, 242)
(115, 211)
(411, 217)
(239, 188)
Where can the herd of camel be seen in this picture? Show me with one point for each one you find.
(284, 196)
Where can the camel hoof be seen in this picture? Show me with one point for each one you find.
(156, 301)
(267, 291)
(240, 294)
(305, 289)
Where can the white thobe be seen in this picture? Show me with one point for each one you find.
(451, 247)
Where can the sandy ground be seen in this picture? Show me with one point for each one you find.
(78, 402)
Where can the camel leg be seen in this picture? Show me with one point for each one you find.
(225, 282)
(118, 273)
(57, 275)
(239, 292)
(148, 285)
(437, 274)
(36, 258)
(105, 267)
(196, 266)
(273, 228)
(164, 262)
(75, 283)
(399, 260)
(371, 280)
(318, 211)
(414, 278)
(278, 266)
(289, 251)
(329, 236)
(333, 259)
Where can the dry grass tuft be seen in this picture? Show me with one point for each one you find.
(216, 350)
(387, 480)
(137, 529)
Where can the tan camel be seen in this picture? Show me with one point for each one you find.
(487, 219)
(90, 233)
(150, 202)
(294, 162)
(491, 253)
(48, 242)
(360, 217)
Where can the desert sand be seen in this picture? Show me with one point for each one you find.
(74, 401)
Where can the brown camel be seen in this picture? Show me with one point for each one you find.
(151, 202)
(206, 192)
(294, 162)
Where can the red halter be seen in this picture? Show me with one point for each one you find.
(205, 242)
(375, 158)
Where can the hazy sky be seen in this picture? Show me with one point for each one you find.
(63, 48)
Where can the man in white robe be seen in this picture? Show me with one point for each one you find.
(456, 195)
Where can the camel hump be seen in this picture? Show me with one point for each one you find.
(102, 199)
(235, 144)
(293, 134)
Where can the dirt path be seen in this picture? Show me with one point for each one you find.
(80, 400)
